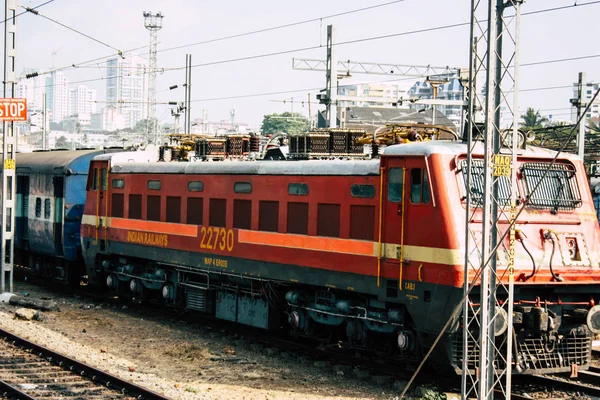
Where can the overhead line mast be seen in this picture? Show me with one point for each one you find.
(487, 352)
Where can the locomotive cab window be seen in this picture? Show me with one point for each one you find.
(551, 187)
(419, 186)
(395, 182)
(118, 183)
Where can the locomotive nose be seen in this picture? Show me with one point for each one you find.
(593, 319)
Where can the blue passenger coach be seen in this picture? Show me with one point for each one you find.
(50, 197)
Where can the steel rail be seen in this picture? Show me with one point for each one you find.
(566, 384)
(107, 379)
(7, 390)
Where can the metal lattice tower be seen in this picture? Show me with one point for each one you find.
(489, 250)
(152, 22)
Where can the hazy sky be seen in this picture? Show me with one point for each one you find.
(554, 35)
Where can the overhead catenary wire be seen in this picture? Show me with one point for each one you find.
(35, 12)
(236, 35)
(26, 11)
(398, 34)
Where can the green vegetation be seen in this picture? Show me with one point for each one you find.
(532, 119)
(286, 122)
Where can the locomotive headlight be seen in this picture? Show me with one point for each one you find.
(593, 319)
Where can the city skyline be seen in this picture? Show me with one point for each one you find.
(262, 76)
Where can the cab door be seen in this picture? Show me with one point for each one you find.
(394, 207)
(98, 184)
(407, 215)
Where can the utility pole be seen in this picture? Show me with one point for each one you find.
(581, 105)
(188, 93)
(331, 79)
(44, 113)
(152, 22)
(9, 147)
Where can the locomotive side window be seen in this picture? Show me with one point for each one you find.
(298, 189)
(366, 191)
(118, 183)
(242, 187)
(154, 185)
(135, 206)
(117, 205)
(395, 182)
(362, 222)
(218, 212)
(103, 178)
(47, 208)
(153, 208)
(242, 214)
(94, 185)
(297, 218)
(38, 207)
(268, 216)
(173, 209)
(195, 207)
(419, 186)
(328, 220)
(195, 186)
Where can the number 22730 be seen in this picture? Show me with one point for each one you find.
(213, 238)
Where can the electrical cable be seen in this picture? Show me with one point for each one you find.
(405, 33)
(35, 12)
(281, 26)
(240, 34)
(26, 11)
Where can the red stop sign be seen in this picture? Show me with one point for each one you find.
(13, 109)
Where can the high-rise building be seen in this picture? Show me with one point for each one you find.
(82, 102)
(57, 96)
(32, 89)
(127, 88)
(588, 92)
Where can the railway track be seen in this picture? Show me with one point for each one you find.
(335, 356)
(30, 371)
(586, 383)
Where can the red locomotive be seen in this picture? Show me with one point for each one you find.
(368, 253)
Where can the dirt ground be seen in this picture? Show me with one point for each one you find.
(177, 356)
